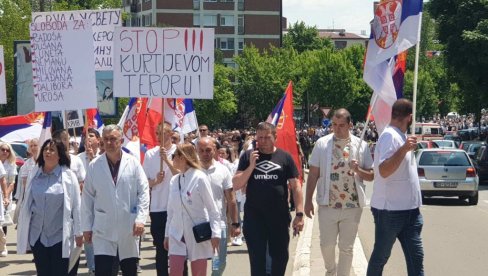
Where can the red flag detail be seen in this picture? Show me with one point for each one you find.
(286, 138)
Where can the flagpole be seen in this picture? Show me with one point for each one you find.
(373, 102)
(415, 81)
(161, 143)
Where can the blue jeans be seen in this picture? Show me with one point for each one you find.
(222, 253)
(90, 256)
(405, 226)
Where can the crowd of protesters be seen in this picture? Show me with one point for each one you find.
(64, 198)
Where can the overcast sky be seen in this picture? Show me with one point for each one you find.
(352, 15)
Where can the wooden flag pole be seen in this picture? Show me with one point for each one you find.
(373, 102)
(161, 142)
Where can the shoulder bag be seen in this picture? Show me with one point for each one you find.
(202, 231)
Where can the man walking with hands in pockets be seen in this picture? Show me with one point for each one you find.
(396, 195)
(338, 177)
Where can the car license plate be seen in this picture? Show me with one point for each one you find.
(445, 184)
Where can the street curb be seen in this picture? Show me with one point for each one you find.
(301, 266)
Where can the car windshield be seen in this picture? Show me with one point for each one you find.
(444, 144)
(474, 147)
(443, 158)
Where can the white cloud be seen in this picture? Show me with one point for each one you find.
(352, 15)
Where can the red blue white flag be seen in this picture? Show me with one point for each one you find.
(396, 27)
(282, 118)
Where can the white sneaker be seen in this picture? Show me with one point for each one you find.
(4, 253)
(237, 241)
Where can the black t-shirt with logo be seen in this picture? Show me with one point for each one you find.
(267, 187)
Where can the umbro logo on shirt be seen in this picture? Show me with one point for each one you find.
(266, 167)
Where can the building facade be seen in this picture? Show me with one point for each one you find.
(237, 23)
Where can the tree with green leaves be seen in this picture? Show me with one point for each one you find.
(304, 38)
(14, 18)
(219, 111)
(463, 29)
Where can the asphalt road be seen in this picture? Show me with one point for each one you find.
(454, 236)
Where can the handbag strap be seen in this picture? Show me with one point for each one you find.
(179, 186)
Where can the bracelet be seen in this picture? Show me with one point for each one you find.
(299, 214)
(236, 224)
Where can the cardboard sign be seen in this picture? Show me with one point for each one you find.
(3, 87)
(103, 25)
(164, 62)
(73, 118)
(62, 65)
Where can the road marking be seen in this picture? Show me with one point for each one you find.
(485, 201)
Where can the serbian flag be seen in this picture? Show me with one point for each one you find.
(94, 120)
(181, 114)
(282, 118)
(153, 118)
(46, 128)
(396, 27)
(132, 124)
(21, 127)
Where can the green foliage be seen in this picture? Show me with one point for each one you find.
(14, 19)
(303, 38)
(215, 113)
(463, 28)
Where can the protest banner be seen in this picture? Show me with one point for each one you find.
(73, 118)
(3, 87)
(62, 65)
(103, 24)
(164, 62)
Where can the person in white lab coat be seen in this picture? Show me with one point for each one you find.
(50, 215)
(190, 203)
(115, 203)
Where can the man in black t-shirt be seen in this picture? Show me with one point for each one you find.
(266, 173)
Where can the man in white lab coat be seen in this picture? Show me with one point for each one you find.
(115, 203)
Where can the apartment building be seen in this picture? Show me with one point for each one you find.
(237, 23)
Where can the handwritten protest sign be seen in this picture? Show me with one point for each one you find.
(62, 65)
(103, 24)
(3, 88)
(164, 62)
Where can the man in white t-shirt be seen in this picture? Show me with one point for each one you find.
(159, 183)
(396, 194)
(92, 146)
(223, 193)
(338, 171)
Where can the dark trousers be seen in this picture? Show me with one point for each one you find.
(158, 226)
(261, 232)
(108, 266)
(49, 260)
(405, 226)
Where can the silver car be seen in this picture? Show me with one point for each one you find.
(447, 172)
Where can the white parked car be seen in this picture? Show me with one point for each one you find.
(447, 172)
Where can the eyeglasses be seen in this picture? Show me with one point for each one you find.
(5, 150)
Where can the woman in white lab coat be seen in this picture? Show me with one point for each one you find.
(50, 215)
(190, 203)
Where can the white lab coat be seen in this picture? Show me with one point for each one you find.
(71, 213)
(196, 193)
(110, 209)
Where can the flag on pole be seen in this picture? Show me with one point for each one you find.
(282, 118)
(132, 123)
(94, 120)
(46, 128)
(395, 29)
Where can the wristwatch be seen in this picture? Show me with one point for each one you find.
(299, 214)
(236, 224)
